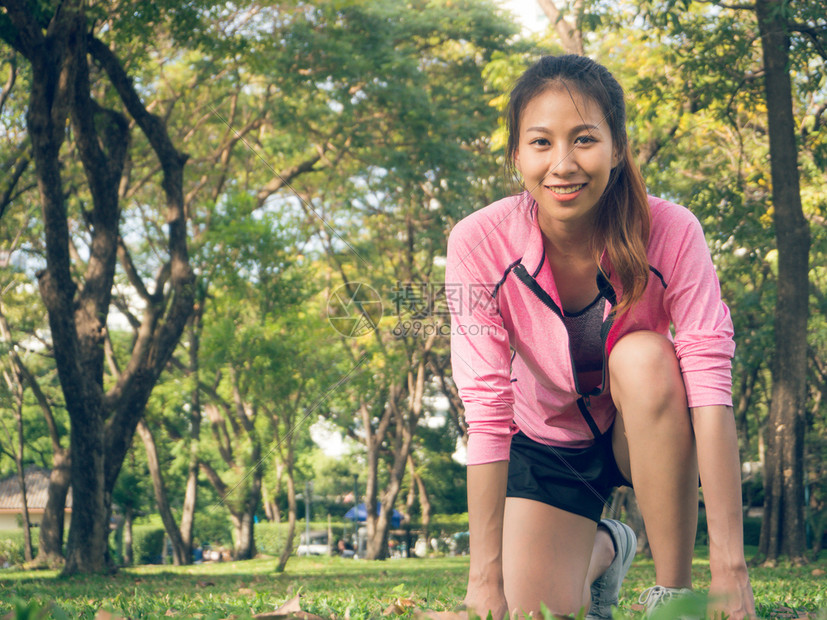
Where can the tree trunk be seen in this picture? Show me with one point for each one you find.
(128, 557)
(180, 556)
(291, 522)
(244, 547)
(191, 493)
(378, 538)
(50, 548)
(782, 531)
(425, 506)
(21, 474)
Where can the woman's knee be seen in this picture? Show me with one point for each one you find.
(643, 365)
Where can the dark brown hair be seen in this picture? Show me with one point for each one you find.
(622, 215)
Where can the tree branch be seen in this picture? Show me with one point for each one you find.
(817, 38)
(23, 160)
(570, 35)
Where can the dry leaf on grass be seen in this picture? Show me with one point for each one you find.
(817, 572)
(290, 610)
(107, 615)
(399, 607)
(246, 591)
(290, 606)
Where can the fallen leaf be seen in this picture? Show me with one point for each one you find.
(399, 607)
(106, 615)
(171, 612)
(204, 584)
(246, 591)
(817, 572)
(291, 606)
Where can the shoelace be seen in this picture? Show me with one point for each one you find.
(657, 595)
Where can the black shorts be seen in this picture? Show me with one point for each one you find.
(577, 480)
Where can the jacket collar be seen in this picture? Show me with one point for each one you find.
(534, 257)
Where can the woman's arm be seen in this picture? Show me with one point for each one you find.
(720, 470)
(486, 502)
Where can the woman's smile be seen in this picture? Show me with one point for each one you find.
(565, 154)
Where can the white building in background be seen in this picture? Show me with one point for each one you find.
(37, 493)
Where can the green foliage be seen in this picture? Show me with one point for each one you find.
(212, 526)
(447, 525)
(147, 543)
(12, 547)
(271, 538)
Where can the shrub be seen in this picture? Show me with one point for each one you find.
(11, 547)
(271, 537)
(213, 527)
(147, 543)
(445, 525)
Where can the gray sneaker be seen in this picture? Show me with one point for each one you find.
(657, 596)
(606, 587)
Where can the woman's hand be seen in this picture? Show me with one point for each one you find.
(482, 599)
(731, 596)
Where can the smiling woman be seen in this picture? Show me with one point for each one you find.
(571, 379)
(565, 154)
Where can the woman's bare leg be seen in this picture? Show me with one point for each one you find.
(546, 557)
(654, 446)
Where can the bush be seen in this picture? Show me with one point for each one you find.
(147, 543)
(445, 525)
(12, 547)
(271, 537)
(213, 527)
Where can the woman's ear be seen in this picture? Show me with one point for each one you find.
(617, 158)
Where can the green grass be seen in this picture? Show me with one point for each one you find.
(336, 588)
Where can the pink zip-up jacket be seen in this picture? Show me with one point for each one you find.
(510, 350)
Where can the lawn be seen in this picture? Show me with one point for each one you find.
(337, 588)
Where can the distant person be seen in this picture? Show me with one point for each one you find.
(562, 300)
(345, 549)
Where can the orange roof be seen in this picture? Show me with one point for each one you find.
(37, 491)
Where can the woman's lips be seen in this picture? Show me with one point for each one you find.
(565, 192)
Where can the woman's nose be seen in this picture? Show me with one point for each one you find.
(563, 162)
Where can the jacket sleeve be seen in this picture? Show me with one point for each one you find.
(703, 327)
(480, 352)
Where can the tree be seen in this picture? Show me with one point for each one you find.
(782, 532)
(57, 41)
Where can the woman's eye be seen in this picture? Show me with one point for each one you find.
(540, 142)
(587, 139)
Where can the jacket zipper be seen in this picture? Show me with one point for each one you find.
(607, 291)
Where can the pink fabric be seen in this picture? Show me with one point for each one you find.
(493, 313)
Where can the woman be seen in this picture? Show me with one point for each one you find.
(571, 381)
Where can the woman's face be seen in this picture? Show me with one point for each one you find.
(565, 154)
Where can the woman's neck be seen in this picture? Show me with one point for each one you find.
(567, 240)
